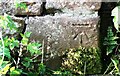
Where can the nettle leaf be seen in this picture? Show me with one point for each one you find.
(26, 62)
(6, 41)
(27, 59)
(16, 72)
(42, 68)
(13, 43)
(24, 41)
(27, 34)
(25, 38)
(10, 22)
(22, 35)
(7, 53)
(33, 48)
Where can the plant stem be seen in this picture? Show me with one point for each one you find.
(42, 51)
(20, 53)
(107, 68)
(2, 47)
(84, 68)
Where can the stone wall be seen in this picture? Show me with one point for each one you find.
(61, 24)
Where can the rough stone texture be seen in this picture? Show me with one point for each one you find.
(33, 8)
(64, 32)
(74, 6)
(74, 24)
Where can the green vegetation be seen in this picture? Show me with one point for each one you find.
(83, 61)
(24, 57)
(17, 56)
(112, 44)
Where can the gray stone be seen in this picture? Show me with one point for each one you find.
(74, 6)
(64, 32)
(33, 8)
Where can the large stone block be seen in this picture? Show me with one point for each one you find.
(64, 32)
(74, 6)
(33, 8)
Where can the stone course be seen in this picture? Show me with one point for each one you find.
(62, 24)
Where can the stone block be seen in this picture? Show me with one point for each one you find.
(64, 32)
(74, 6)
(9, 7)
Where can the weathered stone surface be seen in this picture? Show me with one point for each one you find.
(74, 6)
(33, 8)
(74, 25)
(64, 32)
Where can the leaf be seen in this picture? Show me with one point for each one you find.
(16, 72)
(25, 38)
(110, 49)
(42, 68)
(5, 69)
(6, 41)
(24, 41)
(119, 50)
(11, 24)
(116, 62)
(26, 64)
(27, 59)
(33, 47)
(22, 35)
(115, 13)
(7, 53)
(21, 5)
(12, 68)
(27, 34)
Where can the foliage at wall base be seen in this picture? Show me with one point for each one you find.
(83, 61)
